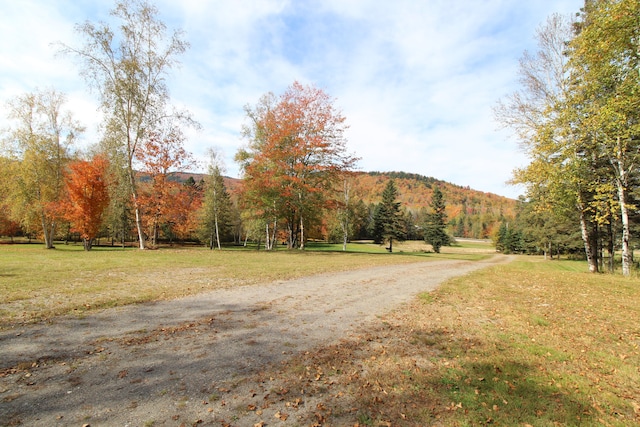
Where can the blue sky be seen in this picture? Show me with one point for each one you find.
(416, 79)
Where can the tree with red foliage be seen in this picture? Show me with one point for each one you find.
(295, 155)
(8, 227)
(87, 197)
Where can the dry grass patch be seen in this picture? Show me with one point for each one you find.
(467, 247)
(36, 284)
(525, 344)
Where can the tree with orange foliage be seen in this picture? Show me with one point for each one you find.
(295, 155)
(182, 217)
(159, 155)
(87, 197)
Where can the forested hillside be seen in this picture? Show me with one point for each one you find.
(470, 213)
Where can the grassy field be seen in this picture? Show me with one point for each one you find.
(530, 343)
(36, 284)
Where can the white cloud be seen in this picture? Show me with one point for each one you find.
(416, 80)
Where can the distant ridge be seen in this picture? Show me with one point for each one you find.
(471, 213)
(426, 179)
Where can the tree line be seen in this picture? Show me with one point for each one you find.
(576, 115)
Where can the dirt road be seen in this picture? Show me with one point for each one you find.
(173, 362)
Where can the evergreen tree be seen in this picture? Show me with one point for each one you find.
(509, 239)
(387, 218)
(436, 222)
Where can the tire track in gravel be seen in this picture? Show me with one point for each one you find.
(146, 363)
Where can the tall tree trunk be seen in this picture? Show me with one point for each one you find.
(344, 242)
(590, 251)
(215, 216)
(124, 231)
(292, 237)
(134, 195)
(624, 214)
(622, 181)
(215, 220)
(266, 242)
(48, 231)
(610, 246)
(390, 244)
(273, 233)
(301, 233)
(291, 223)
(155, 230)
(138, 213)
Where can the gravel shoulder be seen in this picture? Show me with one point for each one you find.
(173, 362)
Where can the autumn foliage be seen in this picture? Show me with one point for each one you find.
(8, 227)
(163, 201)
(88, 197)
(296, 152)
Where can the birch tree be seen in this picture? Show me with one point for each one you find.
(127, 64)
(216, 205)
(39, 145)
(546, 123)
(606, 66)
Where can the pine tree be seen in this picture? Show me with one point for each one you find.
(436, 222)
(387, 217)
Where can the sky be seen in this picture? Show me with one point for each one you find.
(416, 79)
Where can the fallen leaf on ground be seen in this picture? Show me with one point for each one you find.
(281, 415)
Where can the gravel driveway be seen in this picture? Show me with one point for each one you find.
(170, 363)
